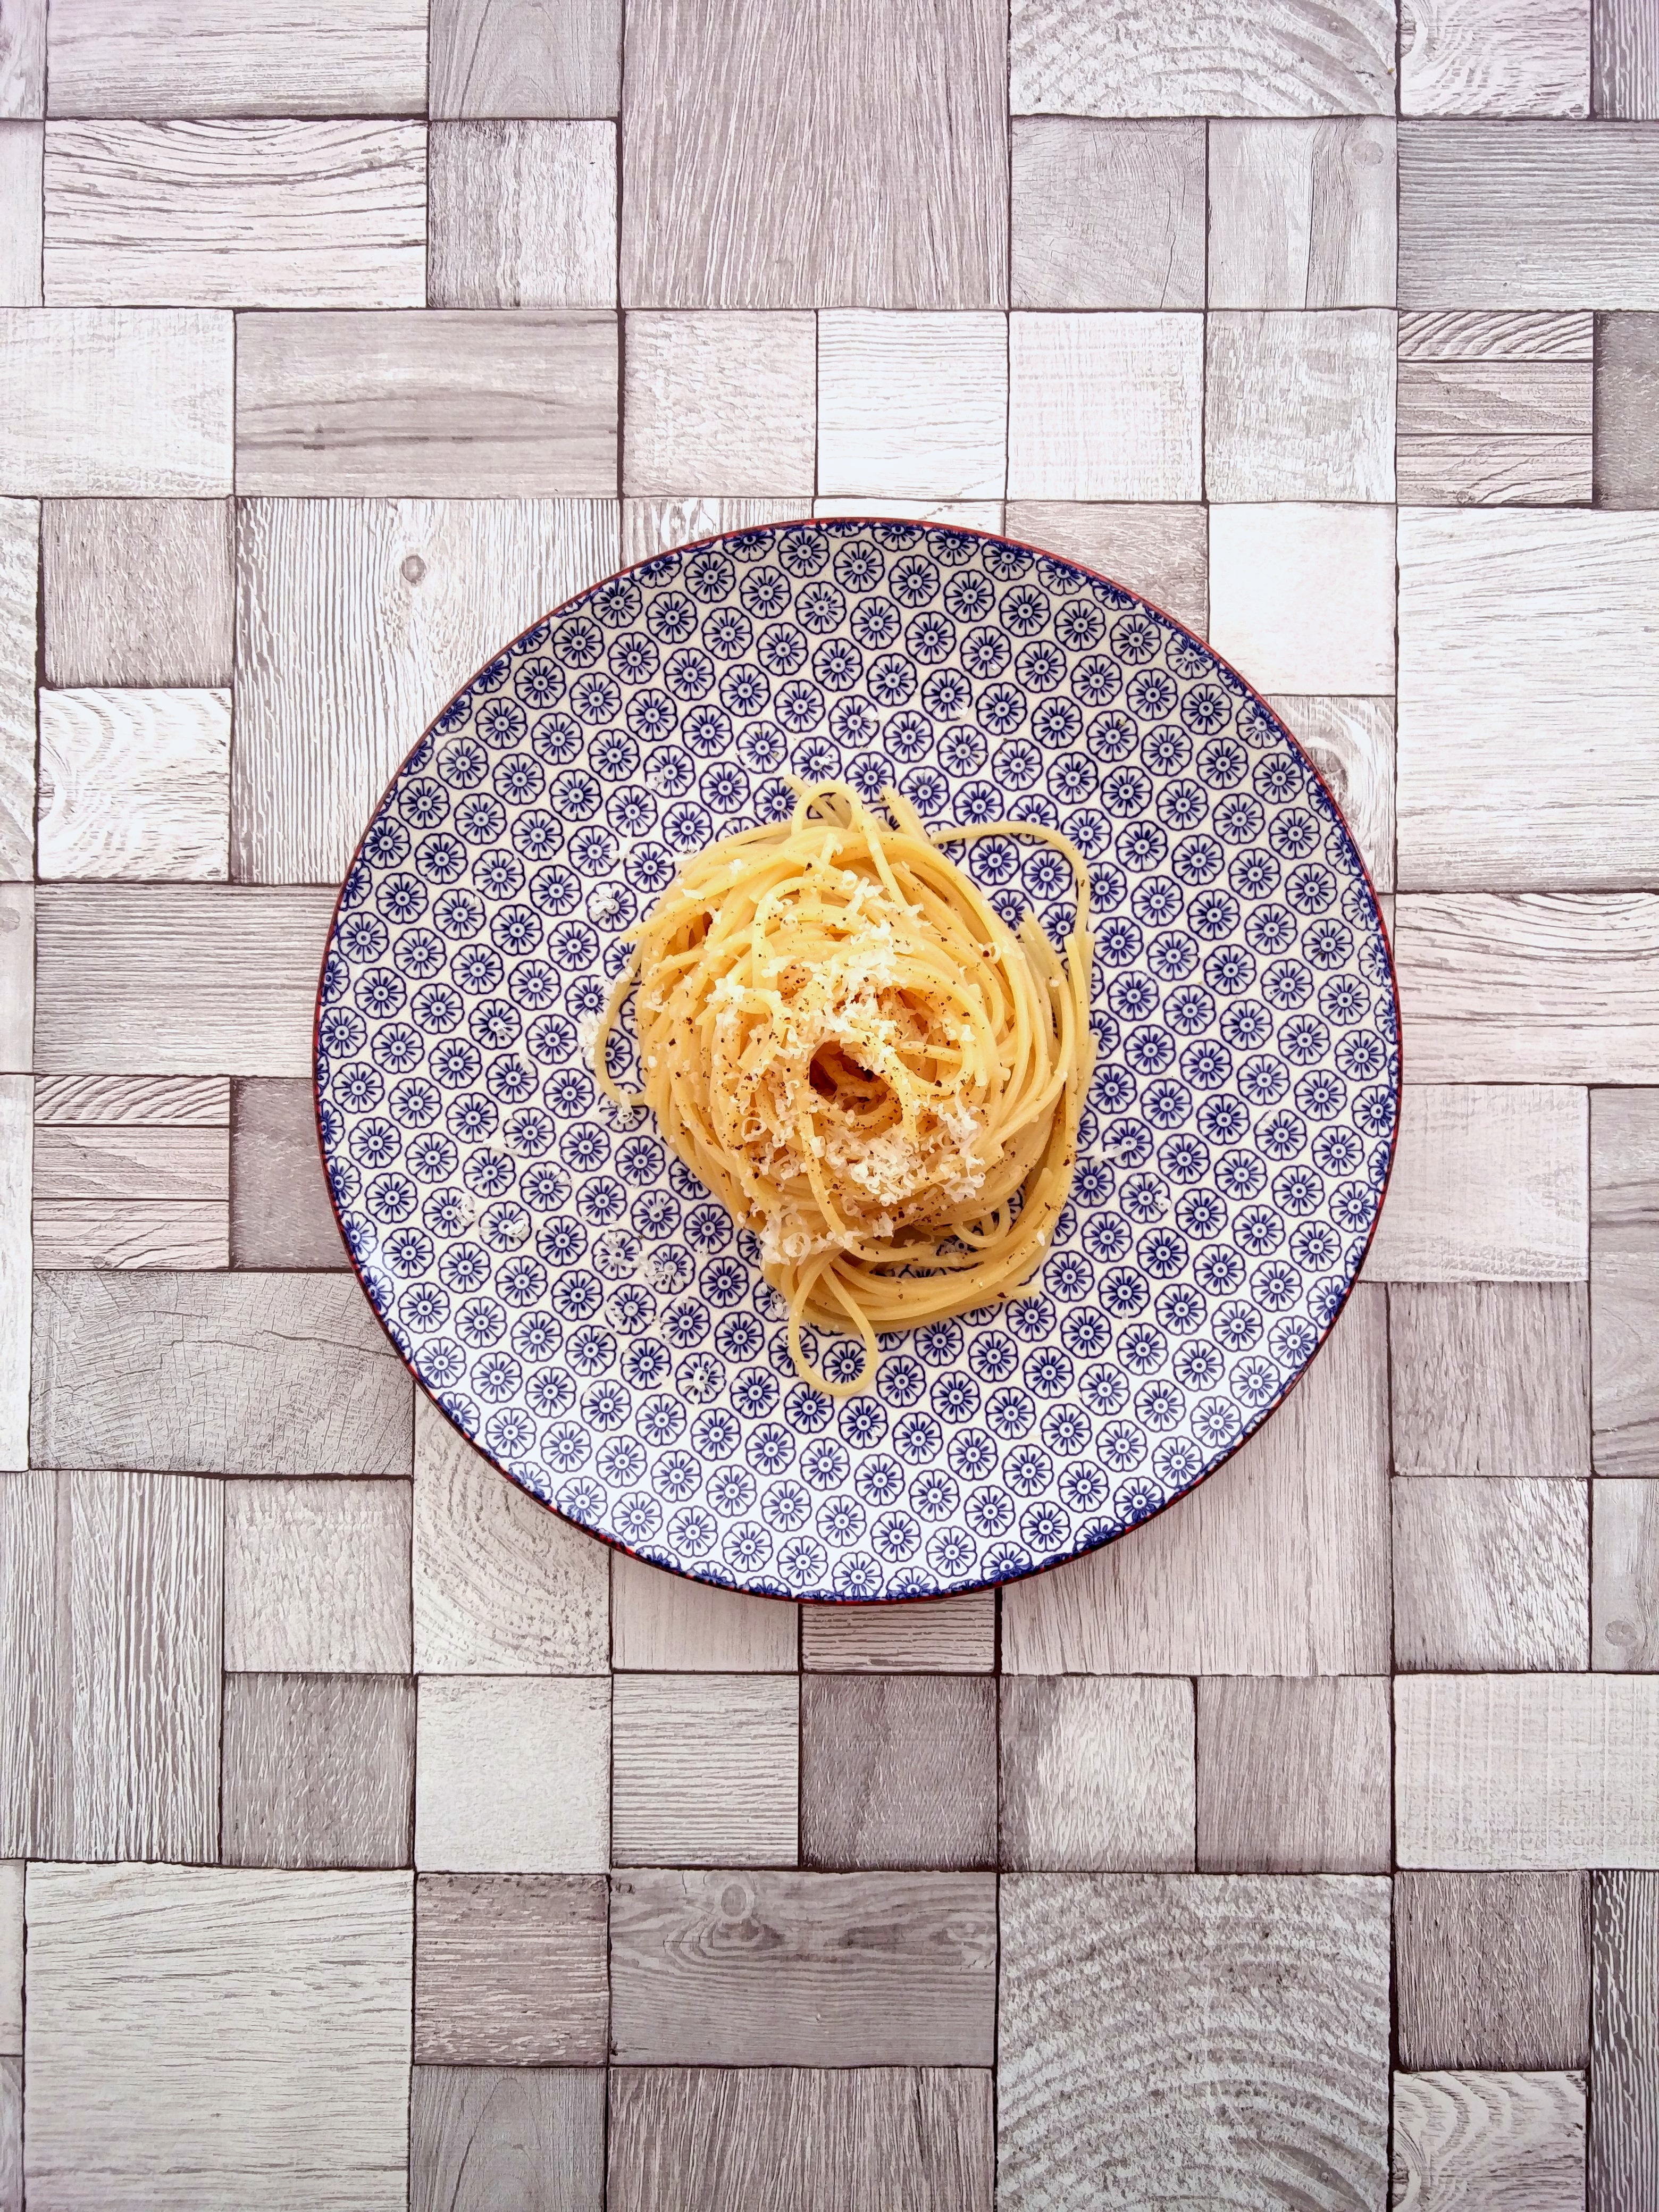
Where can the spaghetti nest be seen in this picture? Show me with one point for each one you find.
(848, 1045)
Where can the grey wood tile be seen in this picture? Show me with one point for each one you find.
(129, 1174)
(22, 154)
(705, 1770)
(1526, 214)
(1278, 1564)
(506, 2138)
(1625, 1577)
(1261, 2007)
(174, 1235)
(112, 1655)
(510, 1969)
(1475, 396)
(206, 214)
(653, 526)
(1160, 551)
(1494, 409)
(948, 1635)
(129, 1160)
(126, 403)
(954, 514)
(360, 618)
(1489, 1576)
(263, 57)
(281, 1215)
(317, 1578)
(516, 57)
(319, 1770)
(150, 1102)
(1107, 215)
(514, 1774)
(1198, 59)
(201, 2037)
(1105, 406)
(1302, 213)
(722, 404)
(1302, 596)
(1459, 59)
(11, 2135)
(11, 1955)
(135, 784)
(775, 1969)
(1627, 465)
(1492, 1970)
(912, 406)
(1299, 406)
(744, 201)
(1097, 1774)
(800, 2139)
(1489, 2142)
(138, 592)
(522, 214)
(16, 979)
(1624, 60)
(1524, 1771)
(1624, 2141)
(1350, 743)
(1490, 1184)
(502, 1585)
(1493, 335)
(216, 1373)
(23, 59)
(20, 561)
(1293, 1776)
(898, 1770)
(1625, 1278)
(16, 1169)
(1490, 1378)
(1491, 468)
(663, 1623)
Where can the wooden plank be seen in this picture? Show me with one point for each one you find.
(170, 1233)
(1489, 1185)
(29, 1759)
(267, 57)
(522, 214)
(149, 1102)
(773, 1969)
(1097, 1774)
(215, 1375)
(800, 2139)
(512, 58)
(1623, 2143)
(1625, 1278)
(726, 405)
(16, 1172)
(129, 1161)
(1106, 406)
(11, 2135)
(663, 1623)
(11, 1955)
(1527, 1770)
(1489, 1576)
(1625, 1577)
(1455, 335)
(510, 1969)
(1350, 743)
(205, 2037)
(898, 1770)
(1626, 411)
(319, 1770)
(20, 543)
(359, 617)
(705, 1770)
(514, 1774)
(1197, 58)
(955, 513)
(138, 592)
(281, 1214)
(1466, 398)
(1489, 2142)
(653, 526)
(943, 1636)
(317, 1578)
(1490, 1378)
(1293, 1776)
(1299, 406)
(22, 154)
(135, 784)
(1454, 63)
(124, 402)
(910, 406)
(1302, 597)
(1278, 1564)
(1107, 215)
(1487, 470)
(486, 2137)
(16, 976)
(1492, 1970)
(1161, 551)
(1624, 60)
(23, 59)
(502, 1585)
(1302, 213)
(1260, 2005)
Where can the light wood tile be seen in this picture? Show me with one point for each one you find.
(112, 1659)
(201, 2037)
(485, 2138)
(131, 1174)
(664, 1623)
(911, 406)
(1302, 213)
(317, 1578)
(1489, 2142)
(1293, 1776)
(121, 402)
(20, 561)
(898, 1770)
(1624, 60)
(1108, 215)
(23, 59)
(281, 1215)
(262, 58)
(214, 1375)
(522, 214)
(722, 404)
(1492, 1970)
(1458, 57)
(773, 1969)
(705, 1770)
(1626, 461)
(11, 2135)
(1495, 409)
(1259, 2006)
(510, 1969)
(1161, 551)
(1490, 1576)
(653, 526)
(1350, 743)
(1526, 214)
(516, 57)
(1105, 406)
(1278, 1564)
(514, 1774)
(129, 1160)
(11, 1956)
(173, 1234)
(1625, 1578)
(949, 1635)
(1457, 334)
(319, 1770)
(1299, 406)
(1527, 1770)
(957, 513)
(21, 153)
(1198, 57)
(135, 784)
(1623, 2143)
(138, 592)
(1490, 1184)
(1625, 1278)
(1097, 1774)
(83, 1101)
(1490, 1378)
(800, 2139)
(359, 617)
(16, 1177)
(16, 976)
(746, 201)
(502, 1585)
(1302, 597)
(1493, 468)
(207, 214)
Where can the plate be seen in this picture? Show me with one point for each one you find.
(577, 1303)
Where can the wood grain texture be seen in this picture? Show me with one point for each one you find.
(773, 1969)
(705, 1770)
(1276, 1565)
(1350, 743)
(22, 154)
(1455, 59)
(176, 1235)
(281, 1215)
(138, 592)
(319, 1770)
(1625, 1578)
(1625, 1279)
(722, 404)
(11, 1954)
(514, 1774)
(148, 1101)
(1527, 1770)
(23, 58)
(123, 403)
(506, 2138)
(1492, 1970)
(359, 617)
(510, 1969)
(1489, 2142)
(1624, 60)
(911, 406)
(11, 2135)
(1161, 551)
(1097, 1774)
(522, 214)
(200, 2038)
(1494, 410)
(1494, 469)
(317, 1578)
(502, 1585)
(1299, 406)
(1626, 463)
(665, 1623)
(1624, 2141)
(20, 561)
(1293, 1776)
(1303, 596)
(1302, 213)
(128, 1160)
(1105, 406)
(1490, 1576)
(1259, 2007)
(16, 1171)
(215, 1375)
(653, 526)
(263, 57)
(800, 2139)
(1490, 1378)
(1489, 1185)
(898, 1770)
(954, 514)
(135, 784)
(1475, 397)
(1455, 334)
(112, 1657)
(1197, 58)
(1107, 215)
(517, 58)
(16, 977)
(947, 1636)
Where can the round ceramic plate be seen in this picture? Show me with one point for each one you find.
(580, 1306)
